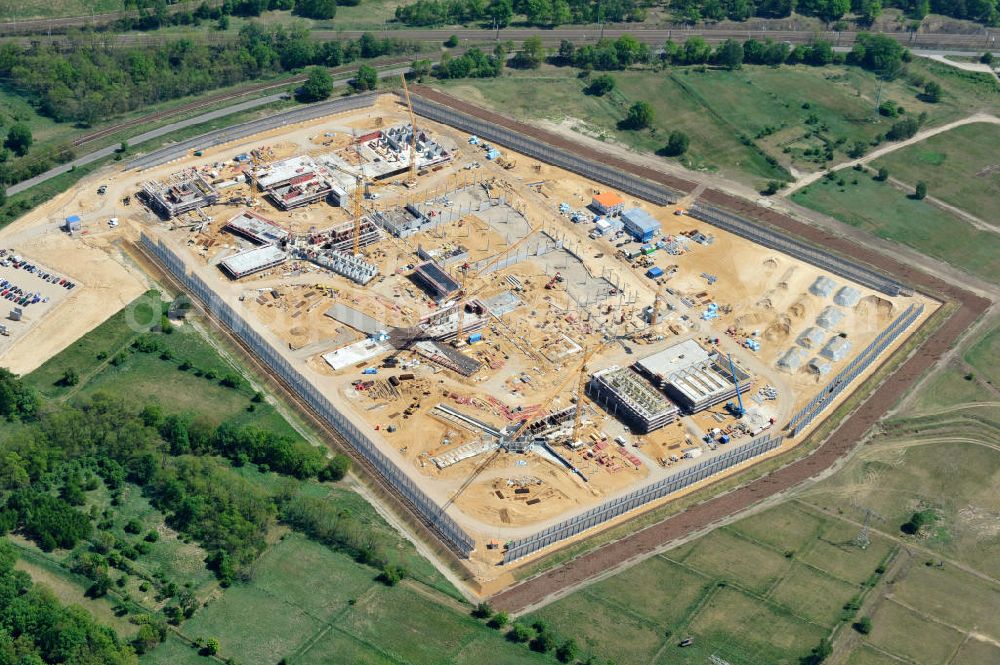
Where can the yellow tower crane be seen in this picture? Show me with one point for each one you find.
(413, 134)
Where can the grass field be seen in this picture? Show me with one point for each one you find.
(745, 593)
(881, 209)
(960, 167)
(311, 604)
(984, 354)
(734, 119)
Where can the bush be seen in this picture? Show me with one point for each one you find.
(483, 611)
(640, 116)
(883, 174)
(863, 625)
(499, 620)
(391, 574)
(544, 642)
(567, 651)
(677, 144)
(69, 378)
(772, 188)
(601, 85)
(335, 469)
(520, 633)
(451, 42)
(919, 520)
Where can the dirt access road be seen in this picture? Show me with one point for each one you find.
(538, 590)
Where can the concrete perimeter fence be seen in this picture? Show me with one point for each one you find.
(452, 534)
(656, 193)
(640, 497)
(854, 369)
(820, 258)
(545, 152)
(245, 129)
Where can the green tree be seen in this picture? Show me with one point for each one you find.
(69, 377)
(499, 620)
(3, 195)
(677, 144)
(483, 611)
(933, 92)
(19, 139)
(883, 174)
(601, 85)
(819, 653)
(729, 54)
(16, 399)
(366, 78)
(336, 468)
(863, 625)
(317, 9)
(772, 188)
(640, 116)
(531, 55)
(520, 633)
(920, 191)
(211, 647)
(567, 651)
(987, 58)
(318, 85)
(451, 42)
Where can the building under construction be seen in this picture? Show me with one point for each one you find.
(293, 182)
(438, 283)
(256, 229)
(694, 378)
(183, 194)
(629, 397)
(340, 238)
(253, 261)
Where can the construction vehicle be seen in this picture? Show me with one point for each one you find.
(736, 409)
(556, 279)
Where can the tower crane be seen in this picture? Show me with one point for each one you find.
(579, 375)
(357, 198)
(413, 134)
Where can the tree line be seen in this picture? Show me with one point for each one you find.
(548, 13)
(89, 82)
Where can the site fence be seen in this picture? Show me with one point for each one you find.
(820, 258)
(425, 507)
(243, 130)
(855, 368)
(640, 497)
(656, 193)
(549, 154)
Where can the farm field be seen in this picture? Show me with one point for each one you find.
(959, 166)
(881, 209)
(742, 599)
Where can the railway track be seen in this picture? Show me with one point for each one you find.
(214, 99)
(985, 39)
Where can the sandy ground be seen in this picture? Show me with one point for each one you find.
(762, 295)
(105, 280)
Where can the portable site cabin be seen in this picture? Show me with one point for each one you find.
(73, 224)
(607, 203)
(640, 224)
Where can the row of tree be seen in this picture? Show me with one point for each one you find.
(90, 82)
(550, 13)
(501, 13)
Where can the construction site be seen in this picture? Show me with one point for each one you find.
(522, 344)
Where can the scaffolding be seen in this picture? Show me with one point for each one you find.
(628, 396)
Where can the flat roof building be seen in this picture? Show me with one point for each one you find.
(628, 396)
(294, 182)
(694, 378)
(253, 261)
(607, 203)
(184, 194)
(256, 229)
(640, 224)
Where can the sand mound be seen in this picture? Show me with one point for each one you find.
(875, 306)
(798, 308)
(298, 330)
(779, 330)
(765, 303)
